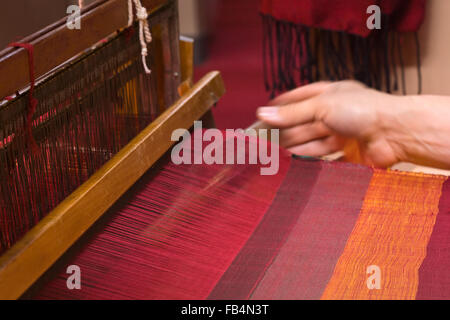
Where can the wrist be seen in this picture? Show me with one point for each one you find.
(396, 115)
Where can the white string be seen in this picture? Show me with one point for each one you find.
(144, 31)
(130, 13)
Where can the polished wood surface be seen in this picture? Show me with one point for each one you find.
(29, 258)
(186, 64)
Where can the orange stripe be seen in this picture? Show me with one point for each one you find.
(392, 232)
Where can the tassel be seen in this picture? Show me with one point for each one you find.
(304, 55)
(419, 64)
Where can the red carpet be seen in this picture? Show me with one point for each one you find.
(235, 50)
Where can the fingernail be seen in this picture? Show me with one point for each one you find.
(268, 113)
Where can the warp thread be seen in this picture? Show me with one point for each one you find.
(144, 31)
(87, 112)
(33, 102)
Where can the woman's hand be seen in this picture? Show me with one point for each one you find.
(321, 118)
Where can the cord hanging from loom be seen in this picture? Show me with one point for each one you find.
(144, 30)
(32, 100)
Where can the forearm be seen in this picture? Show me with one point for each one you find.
(418, 129)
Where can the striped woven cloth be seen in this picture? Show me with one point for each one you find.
(316, 230)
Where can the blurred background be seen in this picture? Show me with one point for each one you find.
(228, 38)
(232, 44)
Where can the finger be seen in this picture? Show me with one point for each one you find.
(318, 148)
(289, 115)
(300, 94)
(302, 134)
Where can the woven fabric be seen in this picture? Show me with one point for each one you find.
(262, 248)
(174, 234)
(434, 279)
(309, 232)
(392, 232)
(307, 260)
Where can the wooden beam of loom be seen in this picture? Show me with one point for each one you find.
(186, 64)
(30, 257)
(56, 44)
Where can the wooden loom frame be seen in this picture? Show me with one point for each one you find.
(31, 256)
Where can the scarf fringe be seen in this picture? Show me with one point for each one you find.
(295, 55)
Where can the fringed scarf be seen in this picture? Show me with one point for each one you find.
(312, 40)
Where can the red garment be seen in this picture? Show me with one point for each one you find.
(312, 40)
(346, 15)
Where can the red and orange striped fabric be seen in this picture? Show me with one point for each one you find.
(317, 230)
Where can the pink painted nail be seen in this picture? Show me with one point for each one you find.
(268, 113)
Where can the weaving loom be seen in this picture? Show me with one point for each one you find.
(90, 197)
(99, 123)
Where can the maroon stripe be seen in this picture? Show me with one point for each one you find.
(434, 273)
(250, 264)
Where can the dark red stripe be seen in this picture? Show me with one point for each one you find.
(250, 264)
(434, 273)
